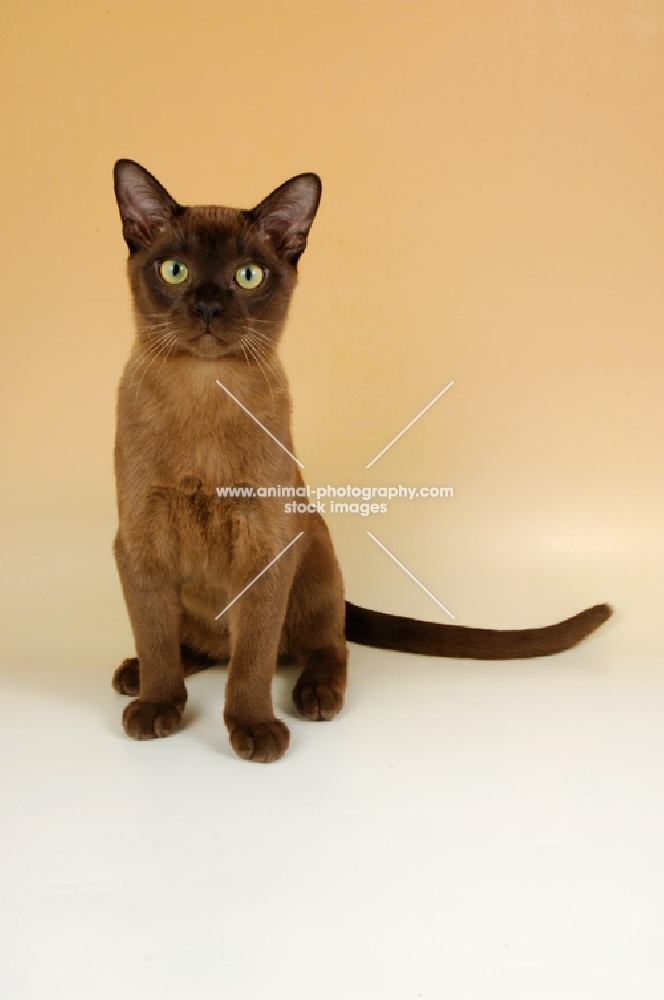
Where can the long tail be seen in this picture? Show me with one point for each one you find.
(407, 635)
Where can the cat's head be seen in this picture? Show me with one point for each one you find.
(210, 281)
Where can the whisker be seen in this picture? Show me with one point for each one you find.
(261, 336)
(149, 328)
(259, 353)
(142, 356)
(164, 349)
(244, 349)
(266, 342)
(265, 356)
(173, 343)
(263, 372)
(149, 356)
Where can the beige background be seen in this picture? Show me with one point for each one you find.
(492, 213)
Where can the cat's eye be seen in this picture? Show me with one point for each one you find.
(249, 276)
(173, 271)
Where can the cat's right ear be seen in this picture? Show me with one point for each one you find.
(145, 206)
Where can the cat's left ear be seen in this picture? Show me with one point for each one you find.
(145, 206)
(285, 216)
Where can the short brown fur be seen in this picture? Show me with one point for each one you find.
(183, 553)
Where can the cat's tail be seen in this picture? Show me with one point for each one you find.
(407, 635)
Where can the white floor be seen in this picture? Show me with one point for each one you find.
(462, 831)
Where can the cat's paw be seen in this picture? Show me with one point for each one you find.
(146, 720)
(318, 700)
(125, 678)
(261, 741)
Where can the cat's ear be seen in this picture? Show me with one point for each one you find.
(145, 206)
(285, 216)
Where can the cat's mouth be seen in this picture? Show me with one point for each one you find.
(209, 344)
(207, 336)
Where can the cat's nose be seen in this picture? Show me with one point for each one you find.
(207, 311)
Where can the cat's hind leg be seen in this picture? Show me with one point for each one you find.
(125, 678)
(319, 692)
(202, 645)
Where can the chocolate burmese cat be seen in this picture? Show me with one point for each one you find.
(211, 289)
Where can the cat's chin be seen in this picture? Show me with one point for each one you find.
(207, 345)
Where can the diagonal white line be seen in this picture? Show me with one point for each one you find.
(261, 425)
(411, 576)
(258, 577)
(406, 428)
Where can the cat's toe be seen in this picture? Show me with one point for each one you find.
(263, 742)
(146, 720)
(125, 678)
(317, 700)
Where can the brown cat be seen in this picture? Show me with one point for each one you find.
(211, 289)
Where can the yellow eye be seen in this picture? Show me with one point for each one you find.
(173, 271)
(249, 276)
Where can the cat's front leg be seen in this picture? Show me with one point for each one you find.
(153, 603)
(255, 622)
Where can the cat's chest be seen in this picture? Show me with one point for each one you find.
(198, 430)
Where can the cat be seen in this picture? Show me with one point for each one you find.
(211, 288)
